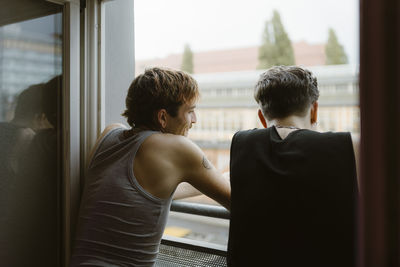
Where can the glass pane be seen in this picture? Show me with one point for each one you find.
(30, 90)
(223, 43)
(119, 57)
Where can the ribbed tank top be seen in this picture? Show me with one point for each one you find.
(120, 224)
(293, 201)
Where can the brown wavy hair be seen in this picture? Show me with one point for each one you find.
(155, 89)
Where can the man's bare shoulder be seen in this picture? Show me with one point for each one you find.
(176, 147)
(171, 141)
(173, 154)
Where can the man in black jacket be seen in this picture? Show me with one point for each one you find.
(294, 190)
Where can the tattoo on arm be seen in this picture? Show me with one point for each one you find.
(206, 163)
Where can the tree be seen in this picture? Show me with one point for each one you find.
(187, 59)
(276, 48)
(334, 50)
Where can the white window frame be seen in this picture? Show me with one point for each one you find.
(83, 103)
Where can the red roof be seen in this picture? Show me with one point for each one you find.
(238, 59)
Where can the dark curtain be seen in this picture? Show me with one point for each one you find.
(379, 237)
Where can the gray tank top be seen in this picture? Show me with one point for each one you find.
(120, 224)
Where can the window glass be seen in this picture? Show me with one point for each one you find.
(30, 91)
(227, 40)
(119, 57)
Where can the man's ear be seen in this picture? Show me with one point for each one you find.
(314, 113)
(262, 119)
(162, 118)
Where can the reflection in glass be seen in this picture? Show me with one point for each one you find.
(30, 86)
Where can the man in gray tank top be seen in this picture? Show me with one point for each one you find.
(133, 173)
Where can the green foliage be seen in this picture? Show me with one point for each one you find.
(334, 50)
(276, 48)
(187, 59)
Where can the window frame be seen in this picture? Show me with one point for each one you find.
(70, 124)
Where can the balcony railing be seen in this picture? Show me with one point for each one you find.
(176, 251)
(200, 209)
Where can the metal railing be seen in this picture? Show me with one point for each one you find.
(200, 209)
(176, 251)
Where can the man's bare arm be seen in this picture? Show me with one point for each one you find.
(198, 171)
(185, 190)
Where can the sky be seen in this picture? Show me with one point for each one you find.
(162, 27)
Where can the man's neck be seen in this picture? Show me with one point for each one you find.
(294, 122)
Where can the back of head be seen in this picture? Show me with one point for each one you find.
(29, 103)
(155, 89)
(286, 90)
(51, 91)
